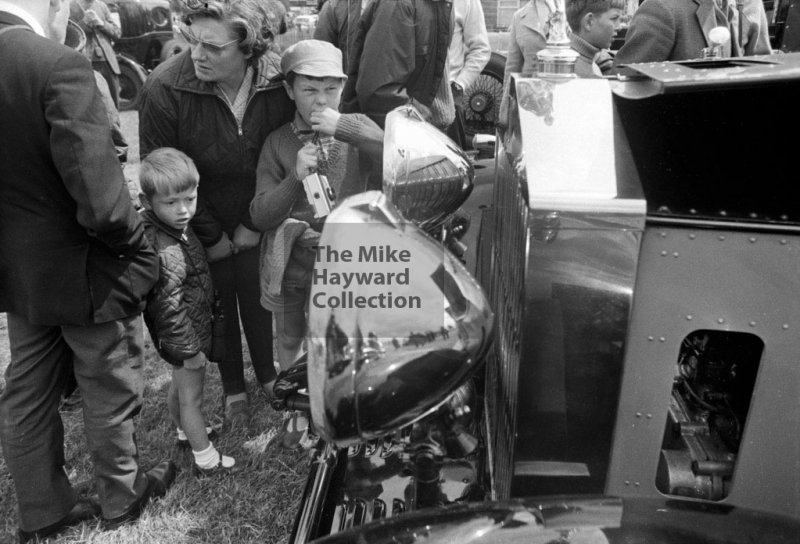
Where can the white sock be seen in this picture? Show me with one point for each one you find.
(182, 435)
(210, 457)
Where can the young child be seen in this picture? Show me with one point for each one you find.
(178, 312)
(594, 24)
(314, 80)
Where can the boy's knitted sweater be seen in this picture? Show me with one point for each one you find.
(279, 194)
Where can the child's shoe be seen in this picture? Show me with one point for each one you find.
(237, 413)
(219, 468)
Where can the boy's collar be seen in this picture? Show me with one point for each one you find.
(300, 123)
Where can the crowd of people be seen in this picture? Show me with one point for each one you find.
(228, 130)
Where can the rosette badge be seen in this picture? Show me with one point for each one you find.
(425, 174)
(396, 323)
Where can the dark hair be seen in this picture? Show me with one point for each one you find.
(576, 9)
(254, 22)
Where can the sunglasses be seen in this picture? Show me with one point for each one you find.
(208, 46)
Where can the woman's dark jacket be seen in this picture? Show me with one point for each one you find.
(178, 110)
(178, 312)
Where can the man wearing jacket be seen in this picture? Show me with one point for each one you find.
(673, 30)
(400, 55)
(94, 18)
(338, 24)
(75, 268)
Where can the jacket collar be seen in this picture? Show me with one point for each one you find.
(530, 17)
(25, 17)
(152, 218)
(706, 17)
(268, 74)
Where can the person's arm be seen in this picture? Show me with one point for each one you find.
(476, 39)
(361, 132)
(277, 186)
(158, 127)
(327, 30)
(107, 25)
(390, 53)
(758, 31)
(651, 35)
(82, 150)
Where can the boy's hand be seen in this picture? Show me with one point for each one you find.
(220, 250)
(196, 362)
(244, 238)
(325, 121)
(306, 161)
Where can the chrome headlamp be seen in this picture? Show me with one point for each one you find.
(426, 175)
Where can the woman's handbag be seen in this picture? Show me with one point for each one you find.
(217, 354)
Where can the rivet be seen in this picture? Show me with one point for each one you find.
(784, 242)
(721, 238)
(753, 215)
(692, 210)
(688, 318)
(785, 326)
(720, 321)
(784, 217)
(663, 234)
(650, 338)
(723, 213)
(649, 416)
(627, 482)
(635, 484)
(638, 414)
(662, 339)
(692, 236)
(675, 254)
(752, 240)
(663, 253)
(752, 323)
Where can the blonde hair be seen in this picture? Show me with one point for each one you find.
(167, 170)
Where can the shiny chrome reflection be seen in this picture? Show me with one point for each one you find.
(396, 323)
(425, 174)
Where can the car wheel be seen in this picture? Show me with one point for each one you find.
(172, 48)
(131, 80)
(481, 101)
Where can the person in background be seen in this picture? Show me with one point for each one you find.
(400, 56)
(314, 80)
(94, 18)
(178, 312)
(338, 24)
(594, 24)
(672, 30)
(528, 34)
(75, 268)
(468, 54)
(217, 102)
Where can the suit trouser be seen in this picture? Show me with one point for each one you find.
(108, 364)
(236, 278)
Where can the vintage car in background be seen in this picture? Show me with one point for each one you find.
(640, 255)
(147, 39)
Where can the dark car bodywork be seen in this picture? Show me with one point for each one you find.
(640, 253)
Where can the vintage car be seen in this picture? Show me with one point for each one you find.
(639, 253)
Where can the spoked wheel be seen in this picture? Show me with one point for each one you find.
(482, 100)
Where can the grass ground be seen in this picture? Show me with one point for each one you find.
(257, 505)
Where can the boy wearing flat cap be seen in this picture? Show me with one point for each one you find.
(319, 139)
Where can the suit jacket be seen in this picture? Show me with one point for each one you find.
(72, 248)
(671, 30)
(98, 38)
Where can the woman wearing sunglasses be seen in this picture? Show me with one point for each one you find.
(217, 102)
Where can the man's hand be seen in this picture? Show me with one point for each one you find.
(220, 250)
(306, 161)
(325, 121)
(91, 18)
(244, 238)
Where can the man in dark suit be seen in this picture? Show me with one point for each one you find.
(94, 18)
(75, 268)
(672, 30)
